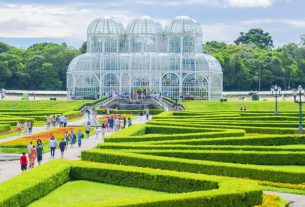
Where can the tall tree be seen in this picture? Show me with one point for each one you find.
(256, 36)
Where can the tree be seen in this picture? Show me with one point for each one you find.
(256, 36)
(83, 48)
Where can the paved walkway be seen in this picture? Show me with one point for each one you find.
(10, 169)
(294, 199)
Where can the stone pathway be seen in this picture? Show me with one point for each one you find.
(295, 200)
(10, 169)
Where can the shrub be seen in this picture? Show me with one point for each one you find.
(196, 166)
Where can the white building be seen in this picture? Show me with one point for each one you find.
(145, 56)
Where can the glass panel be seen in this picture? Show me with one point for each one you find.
(170, 85)
(195, 86)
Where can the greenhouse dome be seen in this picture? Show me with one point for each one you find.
(169, 62)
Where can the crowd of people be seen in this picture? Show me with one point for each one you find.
(36, 151)
(27, 126)
(56, 121)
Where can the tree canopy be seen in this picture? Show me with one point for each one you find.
(251, 64)
(42, 66)
(255, 36)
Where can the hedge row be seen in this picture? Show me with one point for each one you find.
(214, 124)
(266, 140)
(185, 189)
(122, 137)
(166, 129)
(258, 158)
(201, 123)
(232, 193)
(266, 173)
(5, 127)
(131, 146)
(25, 188)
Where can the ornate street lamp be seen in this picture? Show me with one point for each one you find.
(298, 93)
(276, 92)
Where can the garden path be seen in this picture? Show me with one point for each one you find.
(10, 169)
(44, 128)
(295, 199)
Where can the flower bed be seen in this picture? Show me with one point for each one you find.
(58, 133)
(103, 117)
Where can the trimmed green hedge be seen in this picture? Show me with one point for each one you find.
(127, 145)
(185, 189)
(273, 174)
(25, 188)
(258, 158)
(5, 127)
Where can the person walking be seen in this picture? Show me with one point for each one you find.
(116, 124)
(29, 148)
(65, 120)
(147, 114)
(129, 122)
(110, 121)
(32, 157)
(103, 132)
(18, 127)
(124, 121)
(23, 162)
(62, 147)
(97, 131)
(26, 127)
(49, 120)
(54, 121)
(72, 138)
(52, 145)
(87, 129)
(30, 127)
(39, 151)
(61, 121)
(80, 135)
(67, 139)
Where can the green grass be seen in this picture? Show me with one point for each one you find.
(235, 105)
(43, 104)
(87, 192)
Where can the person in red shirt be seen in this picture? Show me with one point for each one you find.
(23, 162)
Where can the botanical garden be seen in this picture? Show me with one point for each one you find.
(194, 124)
(210, 154)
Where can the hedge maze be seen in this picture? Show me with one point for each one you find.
(214, 159)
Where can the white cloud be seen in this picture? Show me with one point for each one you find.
(250, 3)
(299, 23)
(56, 21)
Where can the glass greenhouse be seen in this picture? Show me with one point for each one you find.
(144, 56)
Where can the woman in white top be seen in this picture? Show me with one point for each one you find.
(26, 127)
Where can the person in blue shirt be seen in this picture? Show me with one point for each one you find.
(80, 135)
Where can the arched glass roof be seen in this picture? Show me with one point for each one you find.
(105, 25)
(208, 63)
(144, 25)
(183, 25)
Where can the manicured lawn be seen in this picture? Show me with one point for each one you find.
(235, 105)
(86, 192)
(43, 104)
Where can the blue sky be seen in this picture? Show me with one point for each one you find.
(23, 23)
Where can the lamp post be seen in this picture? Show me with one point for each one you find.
(298, 93)
(276, 92)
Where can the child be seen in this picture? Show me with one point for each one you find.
(23, 162)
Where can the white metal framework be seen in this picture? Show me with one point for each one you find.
(146, 57)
